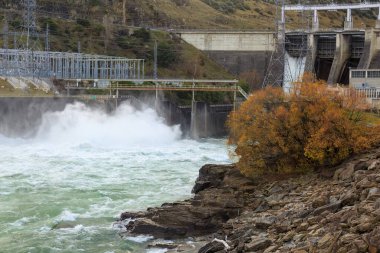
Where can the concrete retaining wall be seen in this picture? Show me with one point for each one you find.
(230, 41)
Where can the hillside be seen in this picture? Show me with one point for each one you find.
(109, 27)
(226, 14)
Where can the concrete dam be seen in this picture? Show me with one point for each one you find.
(329, 53)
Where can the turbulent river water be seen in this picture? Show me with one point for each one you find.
(61, 190)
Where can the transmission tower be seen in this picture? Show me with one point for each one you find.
(29, 24)
(283, 67)
(275, 71)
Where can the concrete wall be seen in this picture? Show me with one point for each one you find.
(238, 62)
(237, 52)
(21, 117)
(230, 41)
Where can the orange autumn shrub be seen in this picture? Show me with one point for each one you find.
(312, 126)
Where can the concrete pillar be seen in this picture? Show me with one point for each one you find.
(378, 20)
(315, 21)
(342, 54)
(311, 56)
(283, 15)
(368, 52)
(348, 23)
(200, 119)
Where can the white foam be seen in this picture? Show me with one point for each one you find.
(126, 128)
(139, 239)
(294, 70)
(21, 222)
(67, 215)
(154, 250)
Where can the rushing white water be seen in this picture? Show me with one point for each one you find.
(62, 190)
(294, 70)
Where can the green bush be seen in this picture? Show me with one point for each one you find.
(83, 22)
(167, 55)
(142, 34)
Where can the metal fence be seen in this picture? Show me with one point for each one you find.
(60, 65)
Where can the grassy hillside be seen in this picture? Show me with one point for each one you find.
(109, 27)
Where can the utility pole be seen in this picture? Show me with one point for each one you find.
(79, 47)
(155, 75)
(47, 48)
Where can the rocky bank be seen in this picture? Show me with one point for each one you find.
(336, 210)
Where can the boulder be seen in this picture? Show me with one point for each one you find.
(374, 165)
(258, 243)
(265, 222)
(373, 241)
(212, 247)
(377, 204)
(349, 198)
(373, 194)
(330, 207)
(325, 241)
(366, 183)
(321, 200)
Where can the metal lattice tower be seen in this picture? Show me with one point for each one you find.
(29, 24)
(279, 66)
(275, 71)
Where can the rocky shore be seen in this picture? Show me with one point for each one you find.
(336, 210)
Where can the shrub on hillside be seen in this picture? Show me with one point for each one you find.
(312, 126)
(167, 54)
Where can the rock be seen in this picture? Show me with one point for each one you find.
(348, 198)
(258, 243)
(299, 251)
(212, 247)
(362, 166)
(210, 176)
(303, 227)
(365, 227)
(325, 241)
(348, 238)
(373, 194)
(320, 201)
(271, 249)
(274, 198)
(361, 245)
(288, 236)
(162, 245)
(149, 227)
(330, 207)
(373, 240)
(345, 173)
(200, 185)
(265, 222)
(365, 183)
(377, 204)
(374, 165)
(263, 207)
